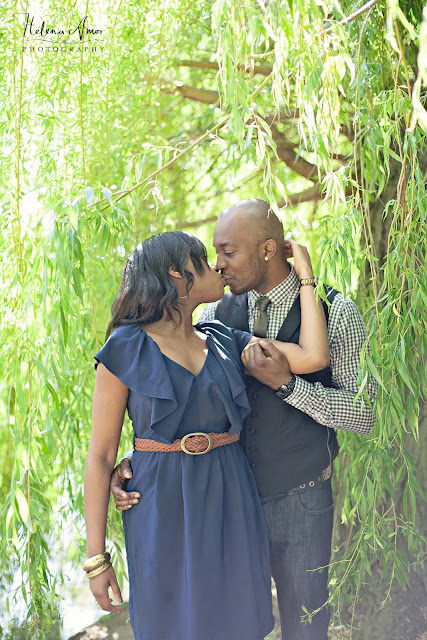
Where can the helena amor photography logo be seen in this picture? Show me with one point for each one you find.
(39, 37)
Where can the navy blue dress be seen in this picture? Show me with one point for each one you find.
(197, 543)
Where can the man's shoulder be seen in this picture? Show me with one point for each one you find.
(215, 309)
(342, 304)
(228, 302)
(231, 297)
(345, 314)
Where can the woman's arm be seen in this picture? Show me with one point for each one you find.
(312, 351)
(109, 405)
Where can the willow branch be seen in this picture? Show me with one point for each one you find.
(344, 21)
(263, 70)
(195, 224)
(312, 194)
(351, 17)
(276, 118)
(284, 148)
(298, 164)
(207, 96)
(347, 131)
(196, 143)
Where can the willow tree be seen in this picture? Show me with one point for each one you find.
(318, 107)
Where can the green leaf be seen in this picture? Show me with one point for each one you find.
(23, 508)
(89, 195)
(374, 371)
(106, 193)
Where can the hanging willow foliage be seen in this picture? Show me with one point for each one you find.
(179, 110)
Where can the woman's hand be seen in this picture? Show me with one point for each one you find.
(99, 586)
(302, 262)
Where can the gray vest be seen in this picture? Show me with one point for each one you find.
(285, 447)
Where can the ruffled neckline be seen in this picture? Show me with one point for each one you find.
(136, 359)
(149, 338)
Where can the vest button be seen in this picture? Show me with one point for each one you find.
(251, 449)
(252, 465)
(251, 431)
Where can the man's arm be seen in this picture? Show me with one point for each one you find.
(335, 407)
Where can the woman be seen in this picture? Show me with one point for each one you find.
(197, 543)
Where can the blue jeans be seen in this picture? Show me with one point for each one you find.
(300, 527)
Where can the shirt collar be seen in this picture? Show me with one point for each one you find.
(288, 288)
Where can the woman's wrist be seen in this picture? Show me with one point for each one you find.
(305, 273)
(95, 550)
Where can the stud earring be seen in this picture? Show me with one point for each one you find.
(266, 258)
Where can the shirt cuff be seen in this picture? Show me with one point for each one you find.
(301, 393)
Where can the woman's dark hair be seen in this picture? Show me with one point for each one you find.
(147, 290)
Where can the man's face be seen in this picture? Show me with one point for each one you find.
(240, 260)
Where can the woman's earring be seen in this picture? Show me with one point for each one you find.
(188, 294)
(266, 258)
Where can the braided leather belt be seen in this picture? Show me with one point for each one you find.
(195, 444)
(325, 475)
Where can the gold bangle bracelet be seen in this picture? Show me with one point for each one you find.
(90, 564)
(95, 566)
(96, 561)
(99, 570)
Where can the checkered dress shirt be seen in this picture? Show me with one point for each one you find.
(333, 407)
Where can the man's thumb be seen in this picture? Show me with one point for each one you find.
(126, 468)
(268, 348)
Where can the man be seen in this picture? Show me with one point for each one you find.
(289, 437)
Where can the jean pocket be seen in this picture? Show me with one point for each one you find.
(317, 499)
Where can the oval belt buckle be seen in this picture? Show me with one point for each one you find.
(197, 433)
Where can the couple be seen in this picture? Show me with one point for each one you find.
(212, 523)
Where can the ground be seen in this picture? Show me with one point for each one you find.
(117, 627)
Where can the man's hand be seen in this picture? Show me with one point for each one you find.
(118, 483)
(265, 363)
(302, 261)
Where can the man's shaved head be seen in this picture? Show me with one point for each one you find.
(257, 215)
(249, 241)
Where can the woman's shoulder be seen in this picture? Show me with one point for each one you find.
(229, 337)
(125, 353)
(126, 330)
(213, 326)
(227, 350)
(219, 331)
